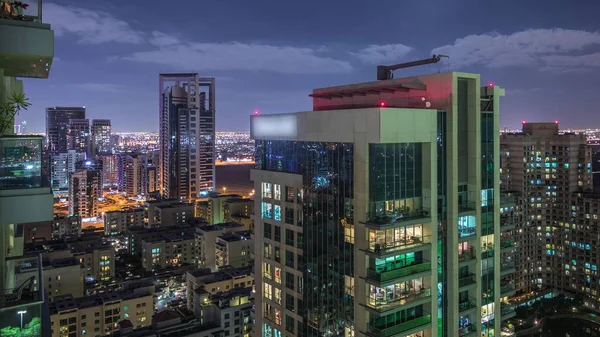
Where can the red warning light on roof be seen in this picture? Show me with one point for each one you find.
(382, 103)
(491, 84)
(523, 122)
(256, 112)
(555, 122)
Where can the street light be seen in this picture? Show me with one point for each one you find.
(22, 313)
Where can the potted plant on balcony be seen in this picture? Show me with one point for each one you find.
(12, 9)
(9, 109)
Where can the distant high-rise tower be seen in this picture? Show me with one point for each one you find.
(101, 142)
(187, 134)
(61, 166)
(57, 127)
(79, 135)
(83, 193)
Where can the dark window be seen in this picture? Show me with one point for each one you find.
(289, 237)
(289, 259)
(267, 230)
(289, 215)
(277, 234)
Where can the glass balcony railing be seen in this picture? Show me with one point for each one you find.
(466, 256)
(466, 206)
(388, 247)
(466, 280)
(507, 244)
(506, 308)
(394, 328)
(468, 304)
(507, 266)
(392, 218)
(384, 275)
(23, 10)
(21, 163)
(507, 289)
(467, 330)
(383, 304)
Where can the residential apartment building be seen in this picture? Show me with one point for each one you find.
(62, 275)
(173, 214)
(97, 259)
(206, 238)
(204, 280)
(110, 170)
(231, 309)
(234, 249)
(57, 127)
(366, 206)
(25, 193)
(100, 138)
(137, 235)
(549, 174)
(83, 193)
(61, 167)
(187, 136)
(117, 222)
(101, 314)
(66, 226)
(168, 251)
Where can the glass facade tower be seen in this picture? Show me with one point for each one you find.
(378, 219)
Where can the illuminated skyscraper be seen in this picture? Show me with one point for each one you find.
(101, 141)
(57, 127)
(377, 213)
(187, 135)
(79, 135)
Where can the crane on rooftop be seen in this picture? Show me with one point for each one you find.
(387, 72)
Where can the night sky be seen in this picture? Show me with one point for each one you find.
(268, 55)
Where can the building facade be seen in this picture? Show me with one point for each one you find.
(61, 167)
(57, 127)
(79, 136)
(549, 175)
(83, 193)
(101, 142)
(187, 136)
(168, 251)
(117, 222)
(366, 207)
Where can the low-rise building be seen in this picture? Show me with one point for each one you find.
(66, 226)
(230, 309)
(101, 314)
(63, 275)
(174, 213)
(119, 222)
(168, 250)
(234, 249)
(138, 234)
(216, 282)
(206, 238)
(97, 258)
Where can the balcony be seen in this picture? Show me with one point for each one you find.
(507, 310)
(399, 218)
(507, 268)
(381, 304)
(469, 330)
(410, 243)
(469, 304)
(507, 222)
(466, 256)
(506, 245)
(466, 280)
(387, 274)
(26, 44)
(467, 206)
(507, 289)
(394, 328)
(23, 181)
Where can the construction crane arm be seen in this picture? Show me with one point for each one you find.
(386, 72)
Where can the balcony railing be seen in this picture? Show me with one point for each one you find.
(395, 218)
(467, 206)
(507, 244)
(388, 275)
(29, 11)
(466, 305)
(466, 256)
(21, 163)
(408, 297)
(392, 329)
(506, 308)
(467, 330)
(506, 289)
(389, 247)
(466, 280)
(507, 266)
